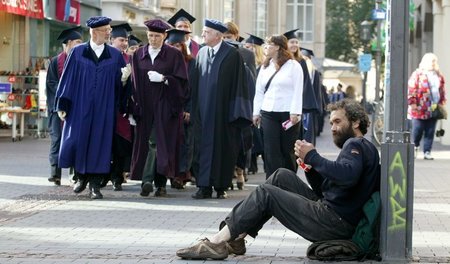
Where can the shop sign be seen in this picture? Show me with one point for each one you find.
(5, 88)
(68, 11)
(29, 8)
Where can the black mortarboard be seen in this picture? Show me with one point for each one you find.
(307, 52)
(240, 39)
(98, 21)
(216, 24)
(70, 34)
(181, 15)
(176, 36)
(254, 40)
(291, 34)
(120, 30)
(133, 41)
(157, 25)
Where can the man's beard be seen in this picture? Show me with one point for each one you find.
(340, 137)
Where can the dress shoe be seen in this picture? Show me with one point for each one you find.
(161, 192)
(55, 180)
(202, 194)
(222, 195)
(80, 186)
(117, 187)
(96, 194)
(177, 184)
(104, 182)
(146, 189)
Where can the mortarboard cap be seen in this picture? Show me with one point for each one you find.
(176, 35)
(70, 34)
(291, 34)
(157, 25)
(120, 30)
(181, 15)
(215, 24)
(254, 40)
(307, 52)
(240, 39)
(133, 41)
(97, 21)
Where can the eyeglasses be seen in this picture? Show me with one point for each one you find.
(105, 30)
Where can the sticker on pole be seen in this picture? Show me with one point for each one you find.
(365, 62)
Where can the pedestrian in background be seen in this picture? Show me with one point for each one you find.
(278, 104)
(425, 91)
(69, 38)
(86, 100)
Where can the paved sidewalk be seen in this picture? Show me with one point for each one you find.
(41, 223)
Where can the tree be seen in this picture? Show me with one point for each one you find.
(344, 18)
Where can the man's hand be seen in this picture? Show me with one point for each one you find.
(301, 148)
(126, 72)
(186, 117)
(62, 115)
(295, 119)
(155, 76)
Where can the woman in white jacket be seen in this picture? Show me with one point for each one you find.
(277, 106)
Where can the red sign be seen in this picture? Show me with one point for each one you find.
(68, 11)
(12, 79)
(29, 8)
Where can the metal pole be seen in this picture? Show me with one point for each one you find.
(364, 91)
(378, 56)
(397, 153)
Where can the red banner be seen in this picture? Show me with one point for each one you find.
(68, 11)
(29, 8)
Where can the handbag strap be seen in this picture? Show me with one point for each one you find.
(270, 80)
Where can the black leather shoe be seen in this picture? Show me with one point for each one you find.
(55, 180)
(96, 194)
(222, 195)
(202, 194)
(117, 187)
(161, 192)
(104, 182)
(146, 189)
(80, 186)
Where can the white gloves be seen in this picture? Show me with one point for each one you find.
(62, 115)
(155, 76)
(131, 120)
(126, 72)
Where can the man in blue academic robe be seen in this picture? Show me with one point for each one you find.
(221, 108)
(86, 100)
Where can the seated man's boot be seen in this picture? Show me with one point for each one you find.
(204, 250)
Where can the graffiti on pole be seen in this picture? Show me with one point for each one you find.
(397, 193)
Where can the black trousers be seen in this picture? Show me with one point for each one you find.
(286, 197)
(278, 143)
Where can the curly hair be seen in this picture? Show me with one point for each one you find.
(283, 53)
(353, 111)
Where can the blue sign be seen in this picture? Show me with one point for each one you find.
(365, 62)
(378, 14)
(5, 88)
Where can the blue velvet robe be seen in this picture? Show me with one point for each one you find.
(88, 93)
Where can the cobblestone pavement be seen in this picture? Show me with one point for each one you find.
(41, 223)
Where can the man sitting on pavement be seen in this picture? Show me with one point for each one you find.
(329, 209)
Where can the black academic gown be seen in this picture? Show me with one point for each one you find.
(221, 107)
(88, 93)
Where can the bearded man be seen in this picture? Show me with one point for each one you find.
(330, 209)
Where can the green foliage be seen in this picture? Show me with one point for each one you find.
(343, 29)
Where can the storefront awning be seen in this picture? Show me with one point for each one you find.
(31, 8)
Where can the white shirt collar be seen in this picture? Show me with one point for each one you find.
(216, 47)
(95, 46)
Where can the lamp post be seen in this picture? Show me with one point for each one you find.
(366, 35)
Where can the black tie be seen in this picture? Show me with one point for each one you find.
(211, 54)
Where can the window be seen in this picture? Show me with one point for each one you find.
(228, 11)
(260, 15)
(300, 14)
